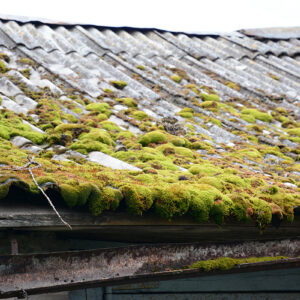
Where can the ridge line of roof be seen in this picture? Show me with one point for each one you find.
(53, 23)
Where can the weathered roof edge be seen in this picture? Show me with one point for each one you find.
(53, 23)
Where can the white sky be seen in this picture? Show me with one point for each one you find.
(184, 15)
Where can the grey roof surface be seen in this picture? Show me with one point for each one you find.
(68, 60)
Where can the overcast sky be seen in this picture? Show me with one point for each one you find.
(184, 15)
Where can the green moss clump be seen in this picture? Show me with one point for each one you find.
(86, 146)
(250, 152)
(232, 85)
(233, 179)
(69, 194)
(172, 200)
(201, 203)
(211, 105)
(26, 73)
(227, 263)
(138, 198)
(248, 118)
(184, 152)
(176, 78)
(213, 181)
(139, 115)
(99, 107)
(262, 212)
(36, 137)
(3, 67)
(4, 189)
(155, 137)
(119, 84)
(127, 101)
(98, 135)
(110, 126)
(26, 61)
(107, 198)
(294, 131)
(204, 169)
(210, 97)
(74, 129)
(186, 113)
(140, 67)
(265, 117)
(4, 132)
(102, 117)
(180, 142)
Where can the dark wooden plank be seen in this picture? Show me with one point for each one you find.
(147, 228)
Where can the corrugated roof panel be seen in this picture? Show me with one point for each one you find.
(273, 33)
(216, 78)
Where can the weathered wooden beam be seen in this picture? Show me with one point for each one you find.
(147, 228)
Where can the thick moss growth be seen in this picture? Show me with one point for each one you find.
(294, 131)
(248, 118)
(262, 212)
(186, 113)
(86, 146)
(70, 194)
(127, 101)
(201, 203)
(180, 142)
(211, 105)
(227, 263)
(204, 169)
(4, 189)
(172, 200)
(98, 135)
(110, 126)
(74, 129)
(99, 107)
(155, 137)
(138, 198)
(213, 181)
(233, 179)
(12, 125)
(176, 78)
(139, 115)
(26, 61)
(26, 73)
(232, 85)
(107, 198)
(265, 117)
(210, 97)
(119, 84)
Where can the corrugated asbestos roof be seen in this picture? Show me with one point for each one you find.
(235, 136)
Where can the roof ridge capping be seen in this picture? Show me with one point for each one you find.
(276, 33)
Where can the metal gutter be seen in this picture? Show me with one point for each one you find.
(22, 275)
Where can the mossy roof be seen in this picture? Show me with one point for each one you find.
(112, 130)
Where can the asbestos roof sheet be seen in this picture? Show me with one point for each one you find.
(151, 121)
(280, 33)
